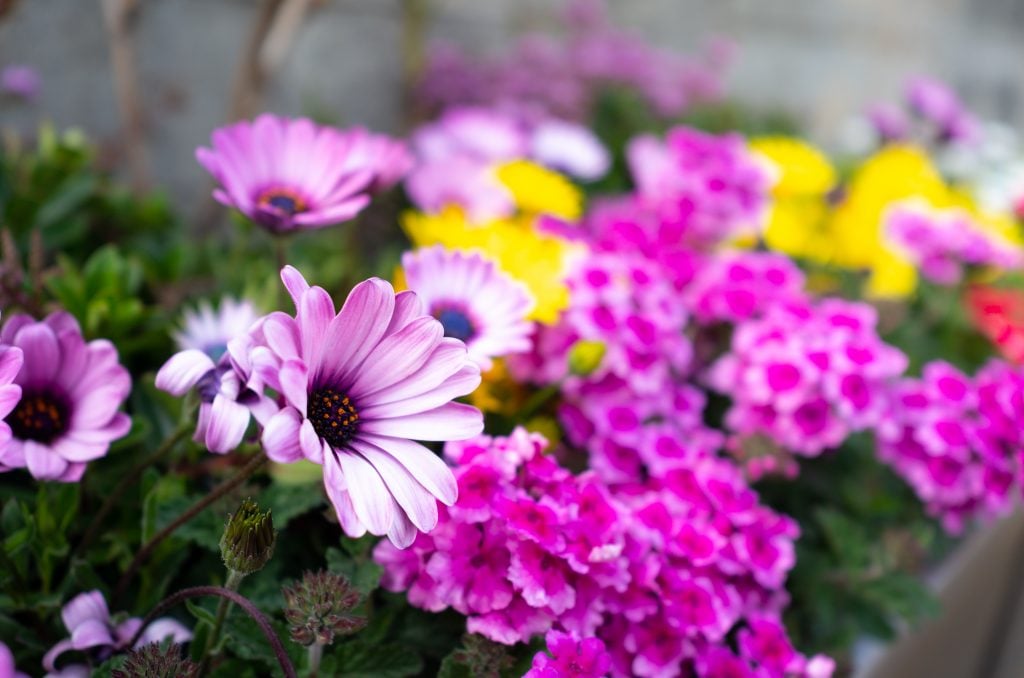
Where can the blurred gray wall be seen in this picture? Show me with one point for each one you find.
(822, 60)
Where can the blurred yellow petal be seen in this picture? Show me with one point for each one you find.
(538, 190)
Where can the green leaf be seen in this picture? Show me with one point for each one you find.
(288, 502)
(356, 659)
(202, 614)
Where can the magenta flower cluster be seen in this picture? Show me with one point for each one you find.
(732, 287)
(659, 571)
(594, 56)
(636, 413)
(942, 243)
(956, 439)
(570, 658)
(711, 186)
(806, 375)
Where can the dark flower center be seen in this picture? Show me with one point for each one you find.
(456, 324)
(282, 200)
(42, 417)
(334, 416)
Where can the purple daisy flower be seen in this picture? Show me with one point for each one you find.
(71, 391)
(473, 299)
(87, 619)
(291, 174)
(359, 386)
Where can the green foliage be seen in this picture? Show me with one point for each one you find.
(864, 537)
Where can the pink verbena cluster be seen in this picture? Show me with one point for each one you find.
(663, 572)
(941, 243)
(807, 375)
(957, 440)
(711, 185)
(636, 413)
(737, 286)
(570, 658)
(526, 544)
(594, 56)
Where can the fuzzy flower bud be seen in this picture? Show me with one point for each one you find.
(319, 607)
(248, 540)
(156, 661)
(585, 357)
(484, 657)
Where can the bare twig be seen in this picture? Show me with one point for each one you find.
(251, 78)
(196, 591)
(415, 14)
(120, 17)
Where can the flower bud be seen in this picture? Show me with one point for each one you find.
(319, 607)
(156, 661)
(248, 540)
(483, 656)
(585, 357)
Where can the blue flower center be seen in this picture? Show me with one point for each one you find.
(283, 200)
(333, 415)
(456, 324)
(41, 416)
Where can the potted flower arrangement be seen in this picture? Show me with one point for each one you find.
(591, 374)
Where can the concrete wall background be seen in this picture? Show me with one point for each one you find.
(820, 59)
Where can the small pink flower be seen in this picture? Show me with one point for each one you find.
(71, 391)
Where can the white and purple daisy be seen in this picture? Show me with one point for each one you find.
(70, 394)
(292, 174)
(359, 386)
(209, 330)
(94, 633)
(230, 391)
(473, 299)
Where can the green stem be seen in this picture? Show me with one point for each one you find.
(147, 549)
(223, 607)
(539, 400)
(128, 480)
(315, 654)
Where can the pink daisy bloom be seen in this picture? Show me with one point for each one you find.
(358, 387)
(87, 619)
(473, 299)
(70, 394)
(290, 174)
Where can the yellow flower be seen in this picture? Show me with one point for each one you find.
(803, 170)
(538, 190)
(893, 174)
(498, 392)
(798, 213)
(536, 259)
